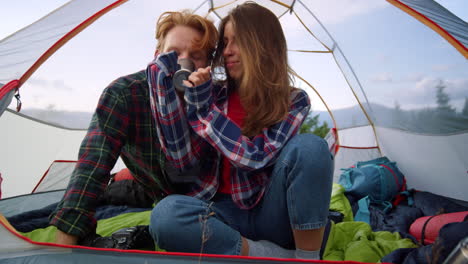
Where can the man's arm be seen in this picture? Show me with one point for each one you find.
(98, 153)
(181, 146)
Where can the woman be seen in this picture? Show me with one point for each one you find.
(267, 190)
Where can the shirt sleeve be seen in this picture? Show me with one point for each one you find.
(179, 143)
(98, 153)
(217, 129)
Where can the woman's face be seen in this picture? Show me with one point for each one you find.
(231, 53)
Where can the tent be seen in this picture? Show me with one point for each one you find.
(389, 76)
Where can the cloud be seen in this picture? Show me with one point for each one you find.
(457, 88)
(453, 87)
(417, 90)
(413, 77)
(426, 83)
(442, 67)
(424, 90)
(382, 77)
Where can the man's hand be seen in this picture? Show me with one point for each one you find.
(65, 239)
(198, 77)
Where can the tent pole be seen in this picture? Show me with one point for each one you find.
(353, 73)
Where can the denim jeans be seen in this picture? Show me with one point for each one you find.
(297, 197)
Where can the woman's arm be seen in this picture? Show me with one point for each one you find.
(217, 129)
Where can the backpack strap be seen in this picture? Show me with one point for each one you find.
(363, 213)
(423, 230)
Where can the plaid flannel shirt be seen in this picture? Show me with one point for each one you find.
(121, 125)
(185, 134)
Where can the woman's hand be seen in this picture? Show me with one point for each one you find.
(198, 77)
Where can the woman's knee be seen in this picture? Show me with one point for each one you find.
(309, 160)
(308, 148)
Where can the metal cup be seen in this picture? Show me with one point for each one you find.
(186, 68)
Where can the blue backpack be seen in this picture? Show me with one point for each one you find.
(376, 181)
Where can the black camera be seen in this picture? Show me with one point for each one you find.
(137, 237)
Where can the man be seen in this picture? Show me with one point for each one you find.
(123, 125)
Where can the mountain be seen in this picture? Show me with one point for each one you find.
(67, 119)
(425, 120)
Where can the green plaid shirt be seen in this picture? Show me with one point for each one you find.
(121, 125)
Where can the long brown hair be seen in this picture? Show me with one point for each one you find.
(265, 85)
(169, 20)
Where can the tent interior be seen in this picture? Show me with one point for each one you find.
(389, 76)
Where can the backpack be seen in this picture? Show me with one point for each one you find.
(376, 181)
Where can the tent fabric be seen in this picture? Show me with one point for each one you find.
(23, 135)
(25, 203)
(457, 28)
(393, 83)
(56, 177)
(429, 160)
(17, 55)
(6, 100)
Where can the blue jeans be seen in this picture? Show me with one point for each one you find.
(297, 197)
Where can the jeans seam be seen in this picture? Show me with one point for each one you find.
(204, 224)
(290, 200)
(239, 246)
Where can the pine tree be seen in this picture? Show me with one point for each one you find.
(465, 107)
(443, 99)
(311, 125)
(397, 112)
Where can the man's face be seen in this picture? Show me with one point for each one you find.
(181, 39)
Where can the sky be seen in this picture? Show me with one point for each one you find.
(73, 78)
